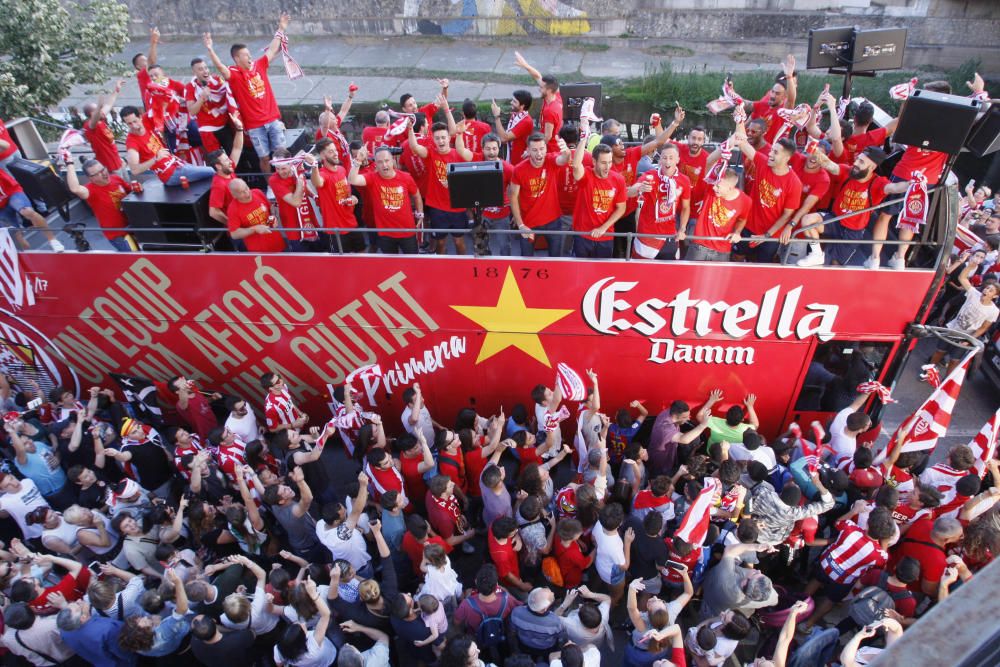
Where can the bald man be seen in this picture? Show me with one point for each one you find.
(250, 219)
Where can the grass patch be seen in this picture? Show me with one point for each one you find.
(669, 50)
(585, 47)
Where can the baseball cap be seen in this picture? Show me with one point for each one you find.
(875, 154)
(611, 140)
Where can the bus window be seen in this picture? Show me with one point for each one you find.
(836, 369)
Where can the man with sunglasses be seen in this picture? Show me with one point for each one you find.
(242, 421)
(280, 410)
(103, 193)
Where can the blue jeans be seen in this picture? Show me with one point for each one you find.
(555, 242)
(267, 138)
(500, 244)
(192, 173)
(121, 244)
(817, 649)
(586, 247)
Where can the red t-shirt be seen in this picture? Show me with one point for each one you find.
(475, 130)
(440, 518)
(571, 561)
(5, 136)
(415, 165)
(815, 183)
(415, 550)
(252, 91)
(719, 217)
(919, 159)
(390, 200)
(102, 140)
(853, 195)
(690, 561)
(475, 463)
(219, 196)
(142, 79)
(504, 557)
(660, 206)
(629, 169)
(436, 185)
(771, 195)
(214, 113)
(856, 143)
(750, 168)
(335, 190)
(372, 138)
(8, 187)
(761, 109)
(538, 196)
(522, 128)
(250, 214)
(596, 201)
(302, 216)
(416, 488)
(106, 203)
(496, 212)
(552, 113)
(453, 467)
(918, 544)
(198, 414)
(692, 166)
(568, 186)
(72, 588)
(147, 145)
(332, 133)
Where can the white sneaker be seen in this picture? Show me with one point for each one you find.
(873, 262)
(897, 263)
(812, 259)
(56, 246)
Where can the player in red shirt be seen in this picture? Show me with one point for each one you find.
(251, 88)
(600, 202)
(330, 126)
(250, 219)
(519, 127)
(208, 101)
(146, 151)
(665, 207)
(723, 216)
(96, 130)
(14, 203)
(781, 95)
(408, 105)
(440, 214)
(103, 193)
(775, 196)
(141, 62)
(534, 196)
(815, 185)
(395, 201)
(225, 171)
(855, 190)
(373, 137)
(336, 203)
(474, 130)
(551, 119)
(498, 217)
(693, 163)
(295, 206)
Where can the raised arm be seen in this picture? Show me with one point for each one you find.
(665, 133)
(460, 148)
(275, 45)
(578, 169)
(421, 152)
(523, 64)
(358, 506)
(780, 657)
(223, 70)
(154, 41)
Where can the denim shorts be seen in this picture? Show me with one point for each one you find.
(267, 138)
(457, 221)
(9, 214)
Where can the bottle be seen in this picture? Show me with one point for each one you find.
(184, 182)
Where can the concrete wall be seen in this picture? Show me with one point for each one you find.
(941, 32)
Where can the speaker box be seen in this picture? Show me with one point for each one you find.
(573, 95)
(936, 122)
(173, 218)
(41, 184)
(985, 136)
(475, 183)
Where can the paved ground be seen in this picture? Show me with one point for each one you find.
(477, 69)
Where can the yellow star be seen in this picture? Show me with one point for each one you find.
(511, 323)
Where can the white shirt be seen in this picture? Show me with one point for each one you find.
(610, 552)
(345, 542)
(44, 636)
(260, 621)
(316, 655)
(245, 427)
(424, 423)
(591, 658)
(556, 436)
(974, 313)
(843, 445)
(765, 455)
(20, 504)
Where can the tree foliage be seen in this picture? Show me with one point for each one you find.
(48, 46)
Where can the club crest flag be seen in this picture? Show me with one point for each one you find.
(932, 418)
(570, 383)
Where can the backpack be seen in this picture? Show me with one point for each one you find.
(492, 630)
(871, 603)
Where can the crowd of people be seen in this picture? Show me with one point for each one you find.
(244, 531)
(568, 187)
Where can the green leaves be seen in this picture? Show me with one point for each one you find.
(48, 46)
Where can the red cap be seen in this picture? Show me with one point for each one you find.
(867, 478)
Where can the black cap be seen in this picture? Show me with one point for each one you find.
(875, 154)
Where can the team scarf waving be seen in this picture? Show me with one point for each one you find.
(552, 419)
(291, 67)
(797, 118)
(873, 387)
(293, 161)
(719, 168)
(69, 140)
(570, 384)
(163, 103)
(984, 445)
(727, 100)
(915, 202)
(218, 91)
(902, 91)
(400, 125)
(930, 421)
(931, 375)
(811, 451)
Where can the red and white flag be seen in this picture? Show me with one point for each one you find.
(292, 68)
(694, 525)
(570, 383)
(901, 91)
(931, 420)
(984, 445)
(727, 100)
(915, 202)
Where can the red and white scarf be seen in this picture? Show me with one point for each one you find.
(719, 168)
(797, 118)
(218, 91)
(727, 100)
(915, 202)
(449, 505)
(877, 388)
(552, 419)
(69, 139)
(664, 209)
(291, 67)
(400, 125)
(811, 451)
(901, 91)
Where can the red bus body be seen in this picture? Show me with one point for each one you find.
(478, 332)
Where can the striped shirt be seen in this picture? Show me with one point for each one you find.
(853, 554)
(279, 409)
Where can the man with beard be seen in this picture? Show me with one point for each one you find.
(692, 162)
(395, 201)
(855, 190)
(336, 203)
(781, 95)
(520, 125)
(755, 130)
(550, 121)
(664, 207)
(534, 195)
(498, 217)
(599, 204)
(225, 171)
